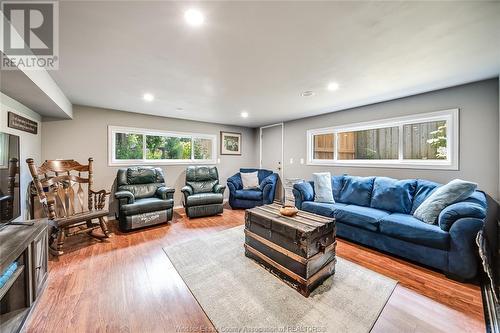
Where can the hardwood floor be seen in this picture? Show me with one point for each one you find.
(128, 285)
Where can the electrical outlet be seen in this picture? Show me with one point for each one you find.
(301, 161)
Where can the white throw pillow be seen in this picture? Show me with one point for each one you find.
(323, 187)
(250, 180)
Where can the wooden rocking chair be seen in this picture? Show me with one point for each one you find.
(60, 187)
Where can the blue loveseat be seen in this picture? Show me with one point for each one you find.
(249, 198)
(377, 212)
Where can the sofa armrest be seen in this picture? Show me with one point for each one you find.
(218, 188)
(125, 197)
(302, 191)
(463, 254)
(165, 193)
(459, 210)
(235, 181)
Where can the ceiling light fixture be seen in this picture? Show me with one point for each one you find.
(148, 97)
(332, 86)
(194, 17)
(308, 93)
(244, 114)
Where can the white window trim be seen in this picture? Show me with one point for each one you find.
(134, 130)
(451, 116)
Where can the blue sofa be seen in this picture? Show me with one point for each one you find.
(377, 212)
(240, 198)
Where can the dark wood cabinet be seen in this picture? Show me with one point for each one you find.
(24, 254)
(40, 261)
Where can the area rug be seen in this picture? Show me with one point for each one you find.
(237, 294)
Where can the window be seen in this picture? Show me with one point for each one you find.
(425, 141)
(323, 146)
(129, 146)
(373, 144)
(134, 145)
(421, 141)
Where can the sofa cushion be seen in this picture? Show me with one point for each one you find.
(408, 228)
(424, 189)
(357, 190)
(337, 183)
(204, 199)
(455, 191)
(321, 208)
(393, 195)
(248, 194)
(359, 216)
(146, 205)
(323, 187)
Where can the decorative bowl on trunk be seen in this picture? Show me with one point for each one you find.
(288, 211)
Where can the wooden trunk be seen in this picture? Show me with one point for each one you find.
(300, 250)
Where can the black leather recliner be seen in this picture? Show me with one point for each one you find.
(143, 198)
(203, 195)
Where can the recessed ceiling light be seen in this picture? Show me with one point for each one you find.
(308, 93)
(244, 114)
(332, 86)
(179, 109)
(148, 97)
(194, 17)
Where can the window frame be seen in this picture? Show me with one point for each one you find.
(112, 161)
(451, 117)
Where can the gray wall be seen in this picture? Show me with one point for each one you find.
(479, 134)
(87, 136)
(30, 144)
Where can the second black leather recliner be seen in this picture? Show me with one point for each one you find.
(203, 195)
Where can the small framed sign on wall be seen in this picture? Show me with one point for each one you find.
(230, 143)
(21, 123)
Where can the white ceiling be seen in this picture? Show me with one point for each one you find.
(259, 56)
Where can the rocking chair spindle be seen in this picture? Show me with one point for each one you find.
(60, 187)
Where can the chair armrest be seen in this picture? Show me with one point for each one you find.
(218, 188)
(459, 210)
(99, 198)
(187, 191)
(125, 197)
(165, 193)
(235, 181)
(268, 188)
(269, 180)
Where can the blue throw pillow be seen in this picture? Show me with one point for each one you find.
(393, 195)
(357, 190)
(454, 191)
(323, 187)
